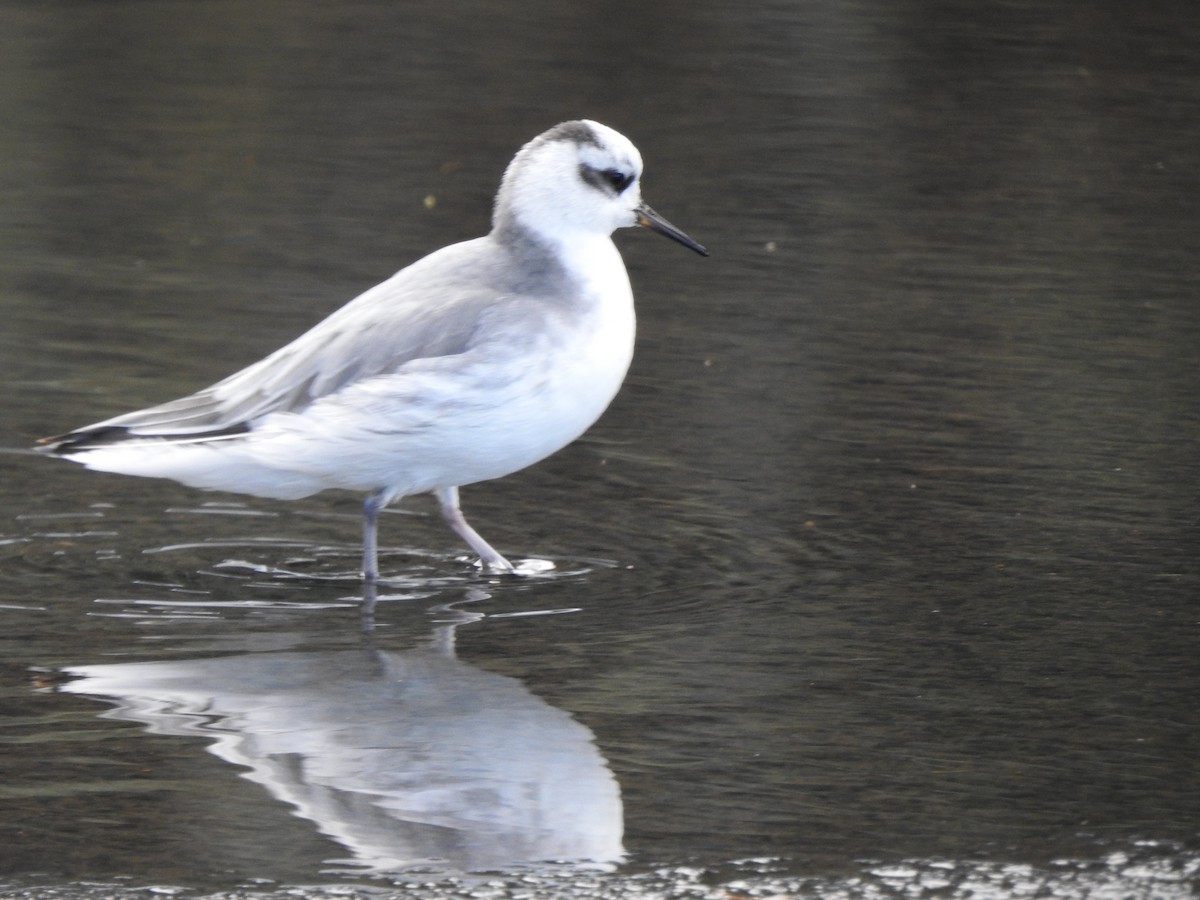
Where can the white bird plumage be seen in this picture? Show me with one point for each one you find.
(470, 364)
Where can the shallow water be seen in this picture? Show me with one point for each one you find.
(879, 577)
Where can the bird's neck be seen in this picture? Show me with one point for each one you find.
(588, 258)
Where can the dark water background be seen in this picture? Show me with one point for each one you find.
(881, 574)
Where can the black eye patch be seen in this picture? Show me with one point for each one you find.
(607, 179)
(618, 179)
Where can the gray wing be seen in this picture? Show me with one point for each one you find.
(430, 309)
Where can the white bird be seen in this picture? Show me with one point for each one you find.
(476, 361)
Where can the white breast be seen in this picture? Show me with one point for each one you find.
(576, 368)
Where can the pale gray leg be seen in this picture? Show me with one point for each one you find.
(448, 498)
(371, 507)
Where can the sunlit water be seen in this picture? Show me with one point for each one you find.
(878, 579)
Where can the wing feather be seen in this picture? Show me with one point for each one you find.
(381, 330)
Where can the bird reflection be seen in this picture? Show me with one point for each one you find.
(409, 760)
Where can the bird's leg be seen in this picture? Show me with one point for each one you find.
(448, 498)
(371, 507)
(366, 610)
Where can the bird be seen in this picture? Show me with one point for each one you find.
(474, 362)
